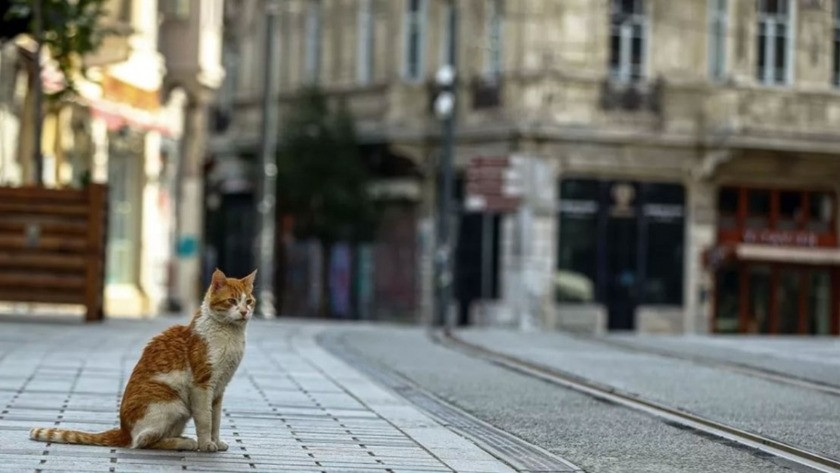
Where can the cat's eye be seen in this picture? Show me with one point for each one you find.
(250, 301)
(232, 301)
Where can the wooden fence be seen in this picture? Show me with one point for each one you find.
(52, 246)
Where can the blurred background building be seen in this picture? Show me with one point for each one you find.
(125, 125)
(692, 150)
(681, 159)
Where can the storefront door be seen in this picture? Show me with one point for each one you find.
(622, 263)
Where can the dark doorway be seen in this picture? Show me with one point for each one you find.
(469, 257)
(231, 233)
(622, 271)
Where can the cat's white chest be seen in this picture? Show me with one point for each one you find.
(225, 349)
(225, 354)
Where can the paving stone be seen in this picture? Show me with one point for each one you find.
(290, 407)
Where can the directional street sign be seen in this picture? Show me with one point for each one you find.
(494, 184)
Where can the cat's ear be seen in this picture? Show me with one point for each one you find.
(219, 280)
(249, 280)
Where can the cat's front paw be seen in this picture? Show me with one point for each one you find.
(207, 446)
(221, 445)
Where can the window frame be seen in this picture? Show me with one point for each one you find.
(624, 73)
(446, 56)
(718, 39)
(411, 20)
(771, 21)
(494, 33)
(365, 44)
(313, 44)
(836, 40)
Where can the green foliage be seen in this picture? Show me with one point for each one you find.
(71, 29)
(322, 181)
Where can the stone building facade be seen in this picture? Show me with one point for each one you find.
(693, 148)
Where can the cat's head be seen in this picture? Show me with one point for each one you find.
(230, 300)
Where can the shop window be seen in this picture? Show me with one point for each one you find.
(663, 215)
(577, 245)
(821, 212)
(758, 209)
(790, 210)
(577, 259)
(579, 189)
(728, 208)
(727, 299)
(663, 282)
(819, 303)
(788, 294)
(664, 193)
(759, 299)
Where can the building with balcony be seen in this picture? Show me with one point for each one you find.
(694, 150)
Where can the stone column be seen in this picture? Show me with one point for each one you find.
(189, 222)
(529, 246)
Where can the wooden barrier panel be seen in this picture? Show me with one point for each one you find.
(52, 246)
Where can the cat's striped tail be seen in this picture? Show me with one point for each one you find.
(109, 438)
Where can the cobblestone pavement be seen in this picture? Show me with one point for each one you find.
(291, 407)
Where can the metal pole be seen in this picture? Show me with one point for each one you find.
(38, 92)
(486, 256)
(445, 237)
(268, 187)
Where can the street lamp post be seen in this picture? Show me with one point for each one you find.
(268, 167)
(445, 109)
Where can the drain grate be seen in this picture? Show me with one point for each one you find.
(520, 455)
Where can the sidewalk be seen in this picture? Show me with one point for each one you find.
(291, 407)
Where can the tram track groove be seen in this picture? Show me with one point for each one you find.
(522, 456)
(674, 416)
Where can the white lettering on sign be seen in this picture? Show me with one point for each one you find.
(663, 211)
(493, 184)
(781, 238)
(578, 206)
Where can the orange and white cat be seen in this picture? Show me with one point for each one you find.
(182, 374)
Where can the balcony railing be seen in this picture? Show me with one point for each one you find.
(486, 92)
(633, 96)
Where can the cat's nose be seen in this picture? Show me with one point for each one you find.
(244, 313)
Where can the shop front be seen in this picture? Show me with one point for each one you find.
(621, 245)
(776, 263)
